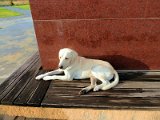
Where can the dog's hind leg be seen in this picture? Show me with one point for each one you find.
(103, 74)
(99, 87)
(90, 87)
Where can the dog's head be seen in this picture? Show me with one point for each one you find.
(67, 57)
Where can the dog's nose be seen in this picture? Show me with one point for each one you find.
(61, 67)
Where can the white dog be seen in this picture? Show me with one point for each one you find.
(76, 67)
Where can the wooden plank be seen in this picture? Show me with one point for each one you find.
(125, 89)
(39, 93)
(9, 83)
(30, 88)
(134, 80)
(19, 72)
(101, 102)
(139, 84)
(149, 79)
(148, 72)
(139, 75)
(122, 84)
(117, 93)
(21, 84)
(128, 94)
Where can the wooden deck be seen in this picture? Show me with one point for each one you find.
(136, 90)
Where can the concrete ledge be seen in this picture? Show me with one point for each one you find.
(79, 114)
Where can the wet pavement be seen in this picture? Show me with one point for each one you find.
(17, 41)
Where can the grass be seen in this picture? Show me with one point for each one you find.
(7, 13)
(24, 7)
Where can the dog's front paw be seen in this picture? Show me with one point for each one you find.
(48, 78)
(39, 77)
(96, 88)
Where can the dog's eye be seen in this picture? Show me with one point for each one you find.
(66, 58)
(59, 57)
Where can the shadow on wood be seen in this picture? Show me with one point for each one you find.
(123, 62)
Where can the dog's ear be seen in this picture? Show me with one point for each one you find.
(74, 56)
(74, 53)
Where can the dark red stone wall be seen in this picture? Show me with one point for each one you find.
(124, 32)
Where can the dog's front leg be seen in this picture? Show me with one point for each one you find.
(58, 71)
(56, 77)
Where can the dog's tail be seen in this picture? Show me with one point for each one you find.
(112, 84)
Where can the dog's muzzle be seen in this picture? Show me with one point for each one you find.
(61, 67)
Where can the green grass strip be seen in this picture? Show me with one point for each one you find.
(4, 13)
(24, 7)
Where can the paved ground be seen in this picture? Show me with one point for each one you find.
(17, 41)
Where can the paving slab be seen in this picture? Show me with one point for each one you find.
(17, 41)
